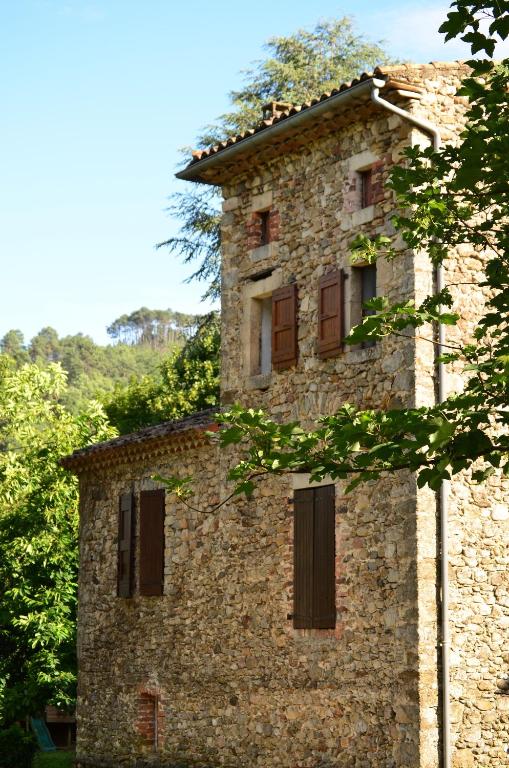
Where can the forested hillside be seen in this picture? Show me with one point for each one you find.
(140, 342)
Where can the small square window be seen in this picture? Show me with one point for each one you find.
(264, 227)
(366, 179)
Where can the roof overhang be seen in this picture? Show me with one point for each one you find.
(289, 132)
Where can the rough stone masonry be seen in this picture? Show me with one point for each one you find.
(213, 671)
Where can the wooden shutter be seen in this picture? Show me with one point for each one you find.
(324, 559)
(284, 327)
(303, 559)
(152, 542)
(125, 545)
(314, 583)
(330, 314)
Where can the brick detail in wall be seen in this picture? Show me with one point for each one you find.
(254, 229)
(150, 718)
(352, 185)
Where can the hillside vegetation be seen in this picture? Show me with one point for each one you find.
(141, 341)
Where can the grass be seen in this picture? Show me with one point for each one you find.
(53, 760)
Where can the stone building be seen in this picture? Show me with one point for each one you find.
(300, 627)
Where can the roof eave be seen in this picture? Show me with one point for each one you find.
(194, 171)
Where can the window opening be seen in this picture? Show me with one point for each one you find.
(368, 291)
(125, 545)
(366, 178)
(264, 227)
(262, 341)
(266, 336)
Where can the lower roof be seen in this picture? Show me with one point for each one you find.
(119, 448)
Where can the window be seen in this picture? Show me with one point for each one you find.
(261, 329)
(314, 558)
(366, 179)
(152, 508)
(268, 338)
(125, 545)
(363, 288)
(331, 314)
(368, 291)
(264, 227)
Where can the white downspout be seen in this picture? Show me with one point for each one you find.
(432, 129)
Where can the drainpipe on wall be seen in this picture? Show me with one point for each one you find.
(432, 129)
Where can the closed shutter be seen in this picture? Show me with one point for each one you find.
(303, 559)
(314, 559)
(125, 545)
(324, 559)
(330, 314)
(151, 542)
(284, 327)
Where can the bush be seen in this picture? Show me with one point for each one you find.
(17, 748)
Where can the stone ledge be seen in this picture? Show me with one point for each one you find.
(259, 381)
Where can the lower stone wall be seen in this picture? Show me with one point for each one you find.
(235, 684)
(479, 622)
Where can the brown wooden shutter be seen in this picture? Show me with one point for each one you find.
(152, 542)
(314, 574)
(284, 327)
(330, 314)
(324, 559)
(303, 559)
(125, 545)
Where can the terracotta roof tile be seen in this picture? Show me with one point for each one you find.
(200, 421)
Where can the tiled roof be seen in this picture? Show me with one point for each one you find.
(128, 444)
(200, 154)
(400, 77)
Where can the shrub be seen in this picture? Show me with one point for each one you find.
(17, 748)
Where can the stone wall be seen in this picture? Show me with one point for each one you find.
(234, 683)
(215, 661)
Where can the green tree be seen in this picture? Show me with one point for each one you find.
(454, 196)
(298, 68)
(38, 536)
(155, 327)
(13, 344)
(188, 381)
(45, 346)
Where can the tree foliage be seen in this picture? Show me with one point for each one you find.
(38, 536)
(297, 68)
(142, 339)
(188, 381)
(153, 327)
(458, 195)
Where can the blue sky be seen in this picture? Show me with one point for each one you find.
(97, 98)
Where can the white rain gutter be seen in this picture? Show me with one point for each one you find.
(432, 129)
